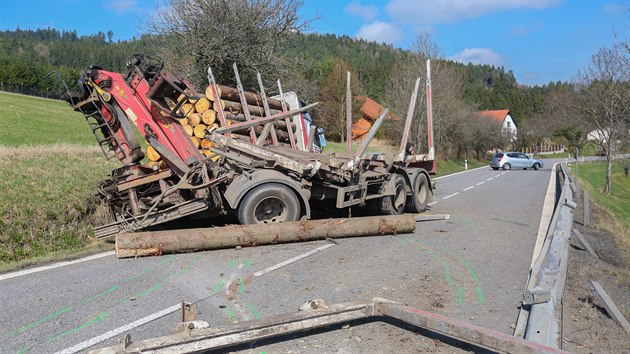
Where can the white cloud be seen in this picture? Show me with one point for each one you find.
(121, 6)
(448, 11)
(381, 32)
(478, 56)
(615, 8)
(366, 12)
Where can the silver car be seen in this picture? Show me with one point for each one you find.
(509, 160)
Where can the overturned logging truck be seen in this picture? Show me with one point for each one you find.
(229, 151)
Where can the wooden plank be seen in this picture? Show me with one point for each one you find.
(610, 306)
(585, 243)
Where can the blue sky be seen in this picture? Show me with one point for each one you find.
(540, 40)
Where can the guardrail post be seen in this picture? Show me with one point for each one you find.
(587, 206)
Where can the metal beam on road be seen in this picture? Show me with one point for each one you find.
(317, 314)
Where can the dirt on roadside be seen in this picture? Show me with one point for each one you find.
(587, 327)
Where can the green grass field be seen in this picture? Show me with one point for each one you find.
(592, 176)
(50, 168)
(27, 120)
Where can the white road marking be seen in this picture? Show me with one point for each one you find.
(294, 259)
(432, 203)
(117, 331)
(490, 179)
(228, 285)
(480, 183)
(458, 173)
(497, 176)
(468, 188)
(55, 265)
(503, 173)
(114, 332)
(452, 195)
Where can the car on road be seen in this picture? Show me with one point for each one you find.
(509, 160)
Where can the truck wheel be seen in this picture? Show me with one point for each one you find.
(417, 201)
(394, 204)
(269, 203)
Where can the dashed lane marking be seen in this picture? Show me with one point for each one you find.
(468, 188)
(480, 183)
(452, 195)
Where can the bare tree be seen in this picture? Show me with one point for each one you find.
(331, 112)
(449, 109)
(602, 101)
(218, 33)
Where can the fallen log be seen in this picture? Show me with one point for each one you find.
(154, 243)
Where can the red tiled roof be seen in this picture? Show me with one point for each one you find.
(498, 115)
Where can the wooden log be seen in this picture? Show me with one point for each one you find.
(218, 105)
(206, 144)
(188, 129)
(153, 243)
(200, 131)
(183, 121)
(202, 105)
(151, 154)
(231, 94)
(236, 108)
(208, 117)
(195, 141)
(187, 109)
(210, 94)
(195, 119)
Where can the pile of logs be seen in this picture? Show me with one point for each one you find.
(200, 115)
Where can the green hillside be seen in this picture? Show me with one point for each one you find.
(28, 120)
(51, 166)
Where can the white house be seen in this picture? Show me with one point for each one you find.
(505, 118)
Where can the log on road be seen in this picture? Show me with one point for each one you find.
(153, 243)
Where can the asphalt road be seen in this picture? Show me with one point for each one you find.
(472, 267)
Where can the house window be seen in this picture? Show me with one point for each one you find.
(509, 125)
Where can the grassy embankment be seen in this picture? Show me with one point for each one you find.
(592, 176)
(50, 165)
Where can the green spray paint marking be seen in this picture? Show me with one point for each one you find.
(22, 350)
(254, 311)
(146, 270)
(37, 323)
(248, 263)
(447, 275)
(231, 314)
(99, 318)
(241, 287)
(218, 286)
(231, 263)
(92, 298)
(179, 272)
(150, 290)
(472, 274)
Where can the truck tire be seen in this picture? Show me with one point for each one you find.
(394, 204)
(417, 201)
(269, 203)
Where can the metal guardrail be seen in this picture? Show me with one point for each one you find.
(541, 316)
